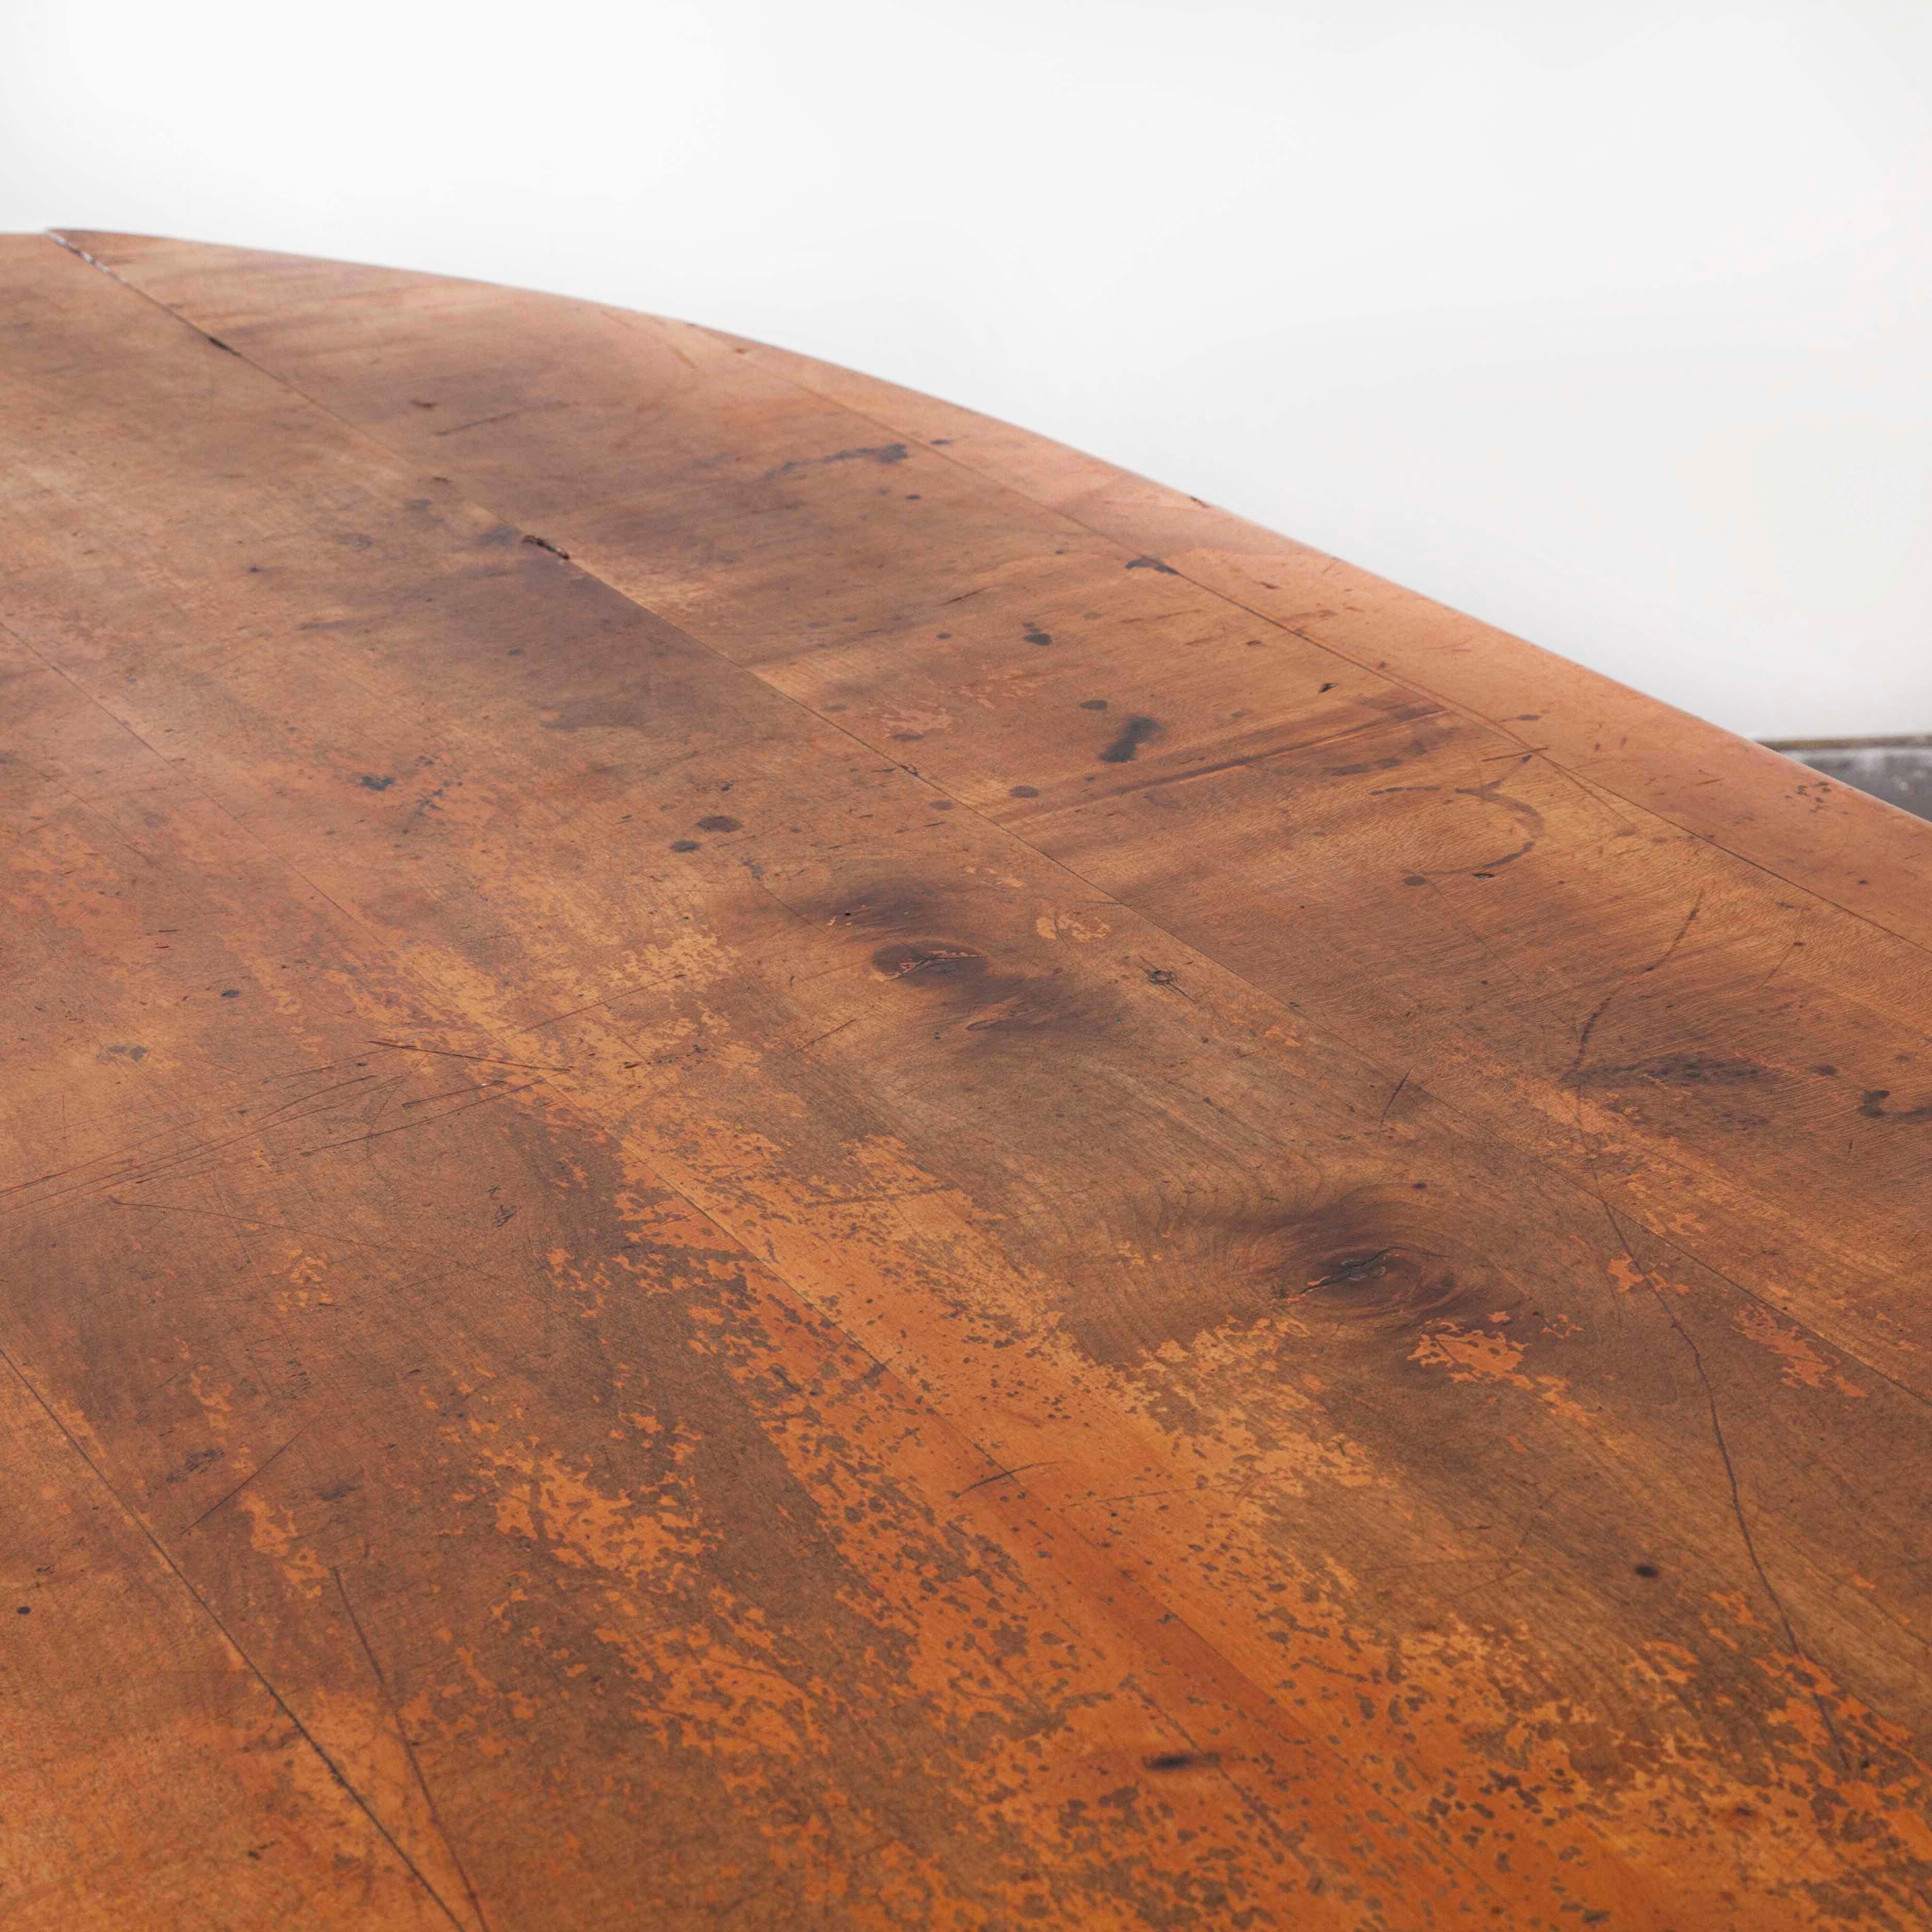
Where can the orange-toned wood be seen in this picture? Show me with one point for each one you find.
(774, 1160)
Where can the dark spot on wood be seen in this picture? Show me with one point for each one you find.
(1326, 687)
(684, 844)
(1024, 791)
(1646, 1569)
(1159, 976)
(1826, 1069)
(1363, 1267)
(544, 543)
(716, 821)
(370, 782)
(884, 453)
(982, 1001)
(231, 993)
(1093, 704)
(1134, 734)
(928, 961)
(1154, 563)
(1181, 1761)
(1402, 1287)
(1415, 879)
(1871, 1104)
(1035, 635)
(1363, 1271)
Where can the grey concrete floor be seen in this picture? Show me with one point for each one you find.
(1898, 770)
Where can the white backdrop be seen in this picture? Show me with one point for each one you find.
(1606, 320)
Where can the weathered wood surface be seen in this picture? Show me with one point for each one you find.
(772, 1158)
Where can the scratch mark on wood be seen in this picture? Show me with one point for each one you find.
(487, 1059)
(266, 1462)
(1001, 1476)
(1730, 1468)
(409, 1749)
(254, 1670)
(410, 1127)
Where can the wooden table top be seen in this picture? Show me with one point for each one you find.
(773, 1158)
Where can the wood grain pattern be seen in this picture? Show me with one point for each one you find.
(775, 1159)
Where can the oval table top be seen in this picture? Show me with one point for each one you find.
(774, 1159)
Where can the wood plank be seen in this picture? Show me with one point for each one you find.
(1646, 754)
(1179, 1362)
(1541, 979)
